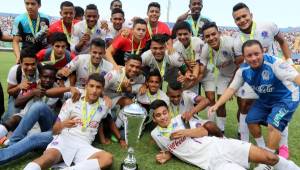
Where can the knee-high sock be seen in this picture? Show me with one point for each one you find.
(3, 131)
(284, 164)
(244, 131)
(284, 137)
(91, 164)
(212, 116)
(221, 123)
(32, 166)
(260, 142)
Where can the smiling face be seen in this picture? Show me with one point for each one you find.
(47, 78)
(196, 6)
(97, 54)
(158, 50)
(153, 84)
(117, 19)
(153, 14)
(162, 117)
(184, 36)
(91, 17)
(132, 68)
(67, 13)
(253, 55)
(174, 95)
(243, 18)
(212, 37)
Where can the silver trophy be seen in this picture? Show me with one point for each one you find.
(135, 116)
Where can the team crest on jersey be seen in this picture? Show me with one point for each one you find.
(265, 75)
(225, 53)
(264, 34)
(100, 109)
(198, 125)
(98, 31)
(85, 68)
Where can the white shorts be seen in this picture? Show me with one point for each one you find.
(246, 92)
(208, 82)
(222, 84)
(72, 148)
(230, 153)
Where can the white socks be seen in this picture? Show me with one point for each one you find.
(244, 131)
(284, 137)
(212, 116)
(260, 142)
(91, 164)
(284, 164)
(3, 131)
(32, 166)
(221, 123)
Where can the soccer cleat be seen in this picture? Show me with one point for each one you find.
(283, 151)
(263, 167)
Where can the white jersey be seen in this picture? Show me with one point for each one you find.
(147, 98)
(193, 51)
(70, 109)
(223, 59)
(12, 76)
(187, 102)
(174, 60)
(83, 68)
(114, 79)
(264, 33)
(192, 150)
(113, 32)
(80, 29)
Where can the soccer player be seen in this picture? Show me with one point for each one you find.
(134, 43)
(184, 102)
(74, 131)
(86, 64)
(218, 54)
(23, 76)
(193, 145)
(30, 28)
(152, 91)
(117, 20)
(115, 4)
(158, 58)
(190, 48)
(56, 55)
(79, 13)
(86, 30)
(66, 23)
(277, 84)
(194, 18)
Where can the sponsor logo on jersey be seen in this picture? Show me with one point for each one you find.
(176, 143)
(265, 75)
(266, 88)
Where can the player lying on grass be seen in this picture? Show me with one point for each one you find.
(196, 147)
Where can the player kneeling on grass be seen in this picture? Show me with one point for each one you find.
(75, 129)
(196, 147)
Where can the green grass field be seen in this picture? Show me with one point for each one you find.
(146, 149)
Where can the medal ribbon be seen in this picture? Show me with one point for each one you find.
(150, 30)
(175, 111)
(151, 97)
(92, 68)
(65, 30)
(132, 48)
(87, 117)
(195, 27)
(90, 31)
(166, 132)
(162, 68)
(34, 31)
(190, 52)
(253, 29)
(119, 89)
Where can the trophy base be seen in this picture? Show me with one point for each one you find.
(124, 168)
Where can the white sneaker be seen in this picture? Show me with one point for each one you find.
(263, 167)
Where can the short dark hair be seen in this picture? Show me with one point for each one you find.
(79, 12)
(250, 43)
(28, 52)
(175, 85)
(97, 77)
(158, 103)
(48, 67)
(160, 38)
(153, 4)
(191, 2)
(117, 11)
(98, 42)
(38, 1)
(139, 21)
(133, 57)
(66, 4)
(209, 25)
(181, 25)
(58, 36)
(154, 73)
(239, 6)
(91, 7)
(113, 1)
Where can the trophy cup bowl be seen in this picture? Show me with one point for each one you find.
(135, 116)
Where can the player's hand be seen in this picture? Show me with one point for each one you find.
(104, 26)
(124, 32)
(163, 157)
(70, 123)
(105, 141)
(187, 116)
(75, 94)
(85, 39)
(123, 144)
(143, 89)
(184, 16)
(179, 134)
(212, 110)
(126, 85)
(64, 72)
(171, 50)
(39, 92)
(181, 78)
(108, 101)
(24, 85)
